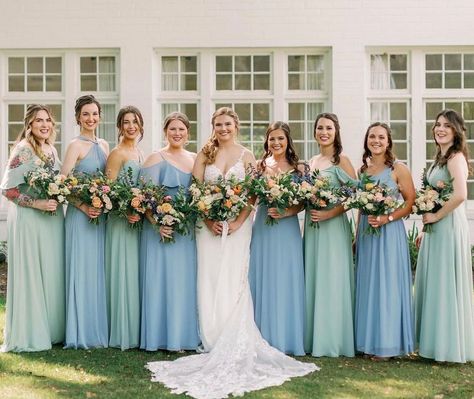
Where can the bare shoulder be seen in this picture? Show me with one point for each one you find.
(346, 165)
(248, 155)
(152, 159)
(193, 155)
(200, 157)
(400, 167)
(457, 162)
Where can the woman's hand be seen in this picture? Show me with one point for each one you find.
(377, 221)
(215, 227)
(275, 214)
(46, 205)
(133, 218)
(418, 240)
(429, 218)
(319, 216)
(166, 232)
(90, 211)
(234, 226)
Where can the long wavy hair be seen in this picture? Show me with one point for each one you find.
(337, 145)
(129, 109)
(290, 152)
(84, 100)
(26, 133)
(210, 148)
(459, 142)
(389, 156)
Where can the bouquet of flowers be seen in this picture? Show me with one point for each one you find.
(316, 193)
(93, 190)
(222, 200)
(176, 212)
(279, 191)
(47, 183)
(431, 198)
(372, 198)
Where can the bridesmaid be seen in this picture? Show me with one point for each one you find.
(329, 266)
(122, 242)
(168, 270)
(276, 254)
(444, 310)
(86, 313)
(35, 315)
(383, 308)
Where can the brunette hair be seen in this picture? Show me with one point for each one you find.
(84, 100)
(337, 145)
(129, 109)
(389, 156)
(290, 153)
(459, 142)
(25, 132)
(210, 148)
(176, 116)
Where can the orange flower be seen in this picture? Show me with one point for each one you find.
(270, 183)
(96, 202)
(166, 207)
(135, 203)
(228, 204)
(237, 189)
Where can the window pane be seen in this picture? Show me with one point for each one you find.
(169, 64)
(398, 62)
(56, 111)
(299, 148)
(244, 132)
(452, 62)
(261, 82)
(190, 110)
(434, 80)
(224, 82)
(432, 110)
(469, 80)
(430, 150)
(106, 82)
(296, 81)
(297, 130)
(169, 82)
(223, 63)
(188, 64)
(315, 63)
(398, 81)
(16, 112)
(106, 64)
(88, 64)
(35, 65)
(434, 62)
(399, 130)
(242, 63)
(470, 131)
(16, 65)
(398, 111)
(35, 83)
(457, 106)
(261, 63)
(468, 110)
(242, 82)
(259, 130)
(53, 83)
(16, 83)
(296, 111)
(378, 111)
(452, 80)
(468, 61)
(429, 133)
(313, 110)
(470, 190)
(296, 63)
(53, 64)
(88, 83)
(261, 112)
(188, 82)
(315, 81)
(243, 110)
(14, 130)
(400, 150)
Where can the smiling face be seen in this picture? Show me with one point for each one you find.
(377, 140)
(89, 117)
(225, 128)
(130, 126)
(325, 132)
(176, 133)
(443, 132)
(277, 142)
(41, 126)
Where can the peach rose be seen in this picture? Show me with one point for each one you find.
(96, 202)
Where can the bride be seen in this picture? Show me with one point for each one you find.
(237, 358)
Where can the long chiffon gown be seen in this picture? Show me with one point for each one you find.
(276, 279)
(35, 314)
(239, 360)
(121, 274)
(329, 281)
(444, 310)
(168, 277)
(383, 308)
(86, 312)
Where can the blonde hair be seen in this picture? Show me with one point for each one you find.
(210, 148)
(25, 132)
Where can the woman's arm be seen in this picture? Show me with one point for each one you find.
(71, 158)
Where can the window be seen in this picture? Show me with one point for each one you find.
(449, 71)
(179, 73)
(190, 110)
(98, 73)
(395, 114)
(243, 72)
(388, 71)
(305, 72)
(34, 74)
(107, 129)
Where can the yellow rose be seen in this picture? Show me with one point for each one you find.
(96, 202)
(369, 186)
(201, 205)
(166, 208)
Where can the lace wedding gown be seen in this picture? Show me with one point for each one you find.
(239, 360)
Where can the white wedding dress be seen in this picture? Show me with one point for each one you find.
(238, 359)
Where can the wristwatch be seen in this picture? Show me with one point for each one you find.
(390, 218)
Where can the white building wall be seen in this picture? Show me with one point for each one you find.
(137, 28)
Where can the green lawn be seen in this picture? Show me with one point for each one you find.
(110, 373)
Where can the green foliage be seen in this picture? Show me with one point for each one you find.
(3, 251)
(411, 236)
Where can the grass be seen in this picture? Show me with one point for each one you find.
(110, 373)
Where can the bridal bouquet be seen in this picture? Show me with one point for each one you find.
(372, 198)
(47, 183)
(316, 192)
(222, 200)
(176, 212)
(431, 198)
(93, 190)
(279, 191)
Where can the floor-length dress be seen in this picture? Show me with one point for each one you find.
(444, 310)
(121, 273)
(276, 278)
(239, 359)
(329, 281)
(35, 312)
(86, 312)
(383, 307)
(168, 276)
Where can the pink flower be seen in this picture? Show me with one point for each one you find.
(440, 184)
(105, 189)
